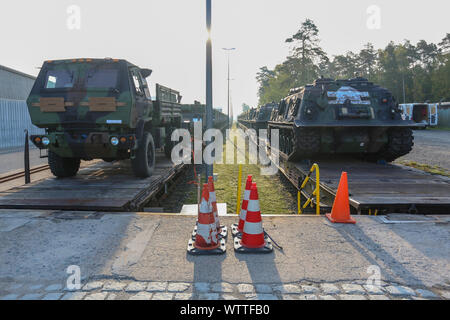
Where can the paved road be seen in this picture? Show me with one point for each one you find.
(125, 256)
(431, 147)
(14, 161)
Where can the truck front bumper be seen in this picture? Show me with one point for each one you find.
(94, 145)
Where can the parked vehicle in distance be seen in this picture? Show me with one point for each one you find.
(424, 113)
(192, 113)
(101, 109)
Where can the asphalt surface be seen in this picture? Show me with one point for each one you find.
(38, 246)
(431, 147)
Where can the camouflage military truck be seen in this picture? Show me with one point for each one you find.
(351, 116)
(101, 109)
(197, 112)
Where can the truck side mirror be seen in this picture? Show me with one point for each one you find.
(146, 73)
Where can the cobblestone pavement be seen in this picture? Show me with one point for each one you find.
(111, 289)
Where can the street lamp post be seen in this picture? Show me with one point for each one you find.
(209, 117)
(228, 79)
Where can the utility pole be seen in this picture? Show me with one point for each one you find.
(209, 99)
(404, 93)
(228, 79)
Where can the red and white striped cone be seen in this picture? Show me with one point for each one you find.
(253, 239)
(206, 240)
(237, 229)
(222, 231)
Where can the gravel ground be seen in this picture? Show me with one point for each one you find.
(431, 147)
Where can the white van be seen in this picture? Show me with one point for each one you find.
(425, 113)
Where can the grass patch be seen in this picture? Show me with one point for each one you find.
(276, 194)
(439, 128)
(427, 168)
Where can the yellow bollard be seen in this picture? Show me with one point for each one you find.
(299, 205)
(238, 202)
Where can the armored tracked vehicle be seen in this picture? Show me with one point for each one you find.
(257, 118)
(351, 116)
(101, 109)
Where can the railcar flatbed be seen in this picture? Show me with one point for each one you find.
(387, 188)
(100, 187)
(373, 187)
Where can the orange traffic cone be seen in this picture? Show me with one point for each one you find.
(221, 230)
(237, 229)
(206, 239)
(253, 240)
(340, 212)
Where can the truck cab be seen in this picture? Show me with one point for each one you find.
(100, 109)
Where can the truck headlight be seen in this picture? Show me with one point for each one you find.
(114, 141)
(45, 141)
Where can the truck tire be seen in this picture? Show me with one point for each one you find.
(63, 167)
(144, 161)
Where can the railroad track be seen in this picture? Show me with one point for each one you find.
(21, 174)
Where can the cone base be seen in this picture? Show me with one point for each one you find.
(234, 230)
(349, 220)
(238, 234)
(222, 235)
(239, 248)
(192, 250)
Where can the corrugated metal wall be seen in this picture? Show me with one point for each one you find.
(14, 119)
(14, 85)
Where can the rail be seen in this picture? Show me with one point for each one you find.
(316, 193)
(21, 174)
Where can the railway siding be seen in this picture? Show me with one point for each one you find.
(102, 186)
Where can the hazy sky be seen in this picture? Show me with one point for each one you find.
(169, 36)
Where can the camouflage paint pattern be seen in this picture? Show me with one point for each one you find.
(103, 98)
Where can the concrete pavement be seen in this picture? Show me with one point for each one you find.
(149, 251)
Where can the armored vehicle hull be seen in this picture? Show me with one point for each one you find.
(342, 117)
(257, 118)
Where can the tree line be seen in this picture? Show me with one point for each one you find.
(413, 73)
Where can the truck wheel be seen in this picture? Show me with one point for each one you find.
(63, 167)
(144, 161)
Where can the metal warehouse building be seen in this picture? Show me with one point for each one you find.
(14, 118)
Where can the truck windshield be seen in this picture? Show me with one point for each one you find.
(102, 77)
(59, 78)
(89, 76)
